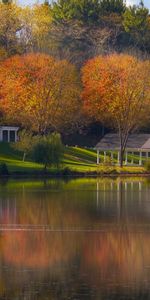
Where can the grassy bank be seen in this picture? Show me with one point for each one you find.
(76, 161)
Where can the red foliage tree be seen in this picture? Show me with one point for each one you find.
(39, 91)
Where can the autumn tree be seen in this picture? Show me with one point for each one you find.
(36, 24)
(116, 92)
(10, 26)
(40, 92)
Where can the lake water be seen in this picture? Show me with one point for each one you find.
(80, 239)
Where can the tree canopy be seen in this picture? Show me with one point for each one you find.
(44, 47)
(40, 92)
(137, 24)
(10, 26)
(86, 11)
(117, 92)
(112, 6)
(73, 28)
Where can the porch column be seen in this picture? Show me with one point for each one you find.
(147, 156)
(97, 157)
(8, 136)
(132, 161)
(140, 160)
(104, 156)
(15, 136)
(126, 159)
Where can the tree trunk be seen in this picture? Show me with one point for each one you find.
(103, 130)
(123, 136)
(45, 167)
(24, 156)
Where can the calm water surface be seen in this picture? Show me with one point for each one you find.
(74, 240)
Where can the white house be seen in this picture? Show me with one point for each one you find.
(8, 133)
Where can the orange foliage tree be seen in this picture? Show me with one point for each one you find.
(39, 92)
(116, 91)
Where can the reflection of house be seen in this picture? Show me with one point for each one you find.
(8, 133)
(138, 144)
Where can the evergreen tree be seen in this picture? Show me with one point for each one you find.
(108, 7)
(136, 23)
(82, 10)
(6, 1)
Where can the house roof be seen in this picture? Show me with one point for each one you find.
(135, 142)
(6, 127)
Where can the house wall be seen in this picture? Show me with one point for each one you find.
(8, 129)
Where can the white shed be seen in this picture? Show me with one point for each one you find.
(8, 134)
(137, 143)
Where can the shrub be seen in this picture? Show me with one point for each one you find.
(66, 172)
(48, 150)
(147, 165)
(108, 161)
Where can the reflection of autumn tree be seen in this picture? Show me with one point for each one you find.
(51, 210)
(38, 249)
(69, 262)
(117, 257)
(119, 254)
(38, 263)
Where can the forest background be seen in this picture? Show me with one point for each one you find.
(75, 31)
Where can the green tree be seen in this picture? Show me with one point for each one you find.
(25, 142)
(137, 25)
(6, 1)
(86, 11)
(108, 7)
(48, 150)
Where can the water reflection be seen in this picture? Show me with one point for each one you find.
(81, 239)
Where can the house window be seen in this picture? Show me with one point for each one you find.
(12, 136)
(5, 135)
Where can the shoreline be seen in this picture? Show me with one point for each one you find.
(20, 175)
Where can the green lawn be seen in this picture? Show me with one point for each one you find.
(76, 159)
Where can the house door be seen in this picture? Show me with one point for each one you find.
(5, 135)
